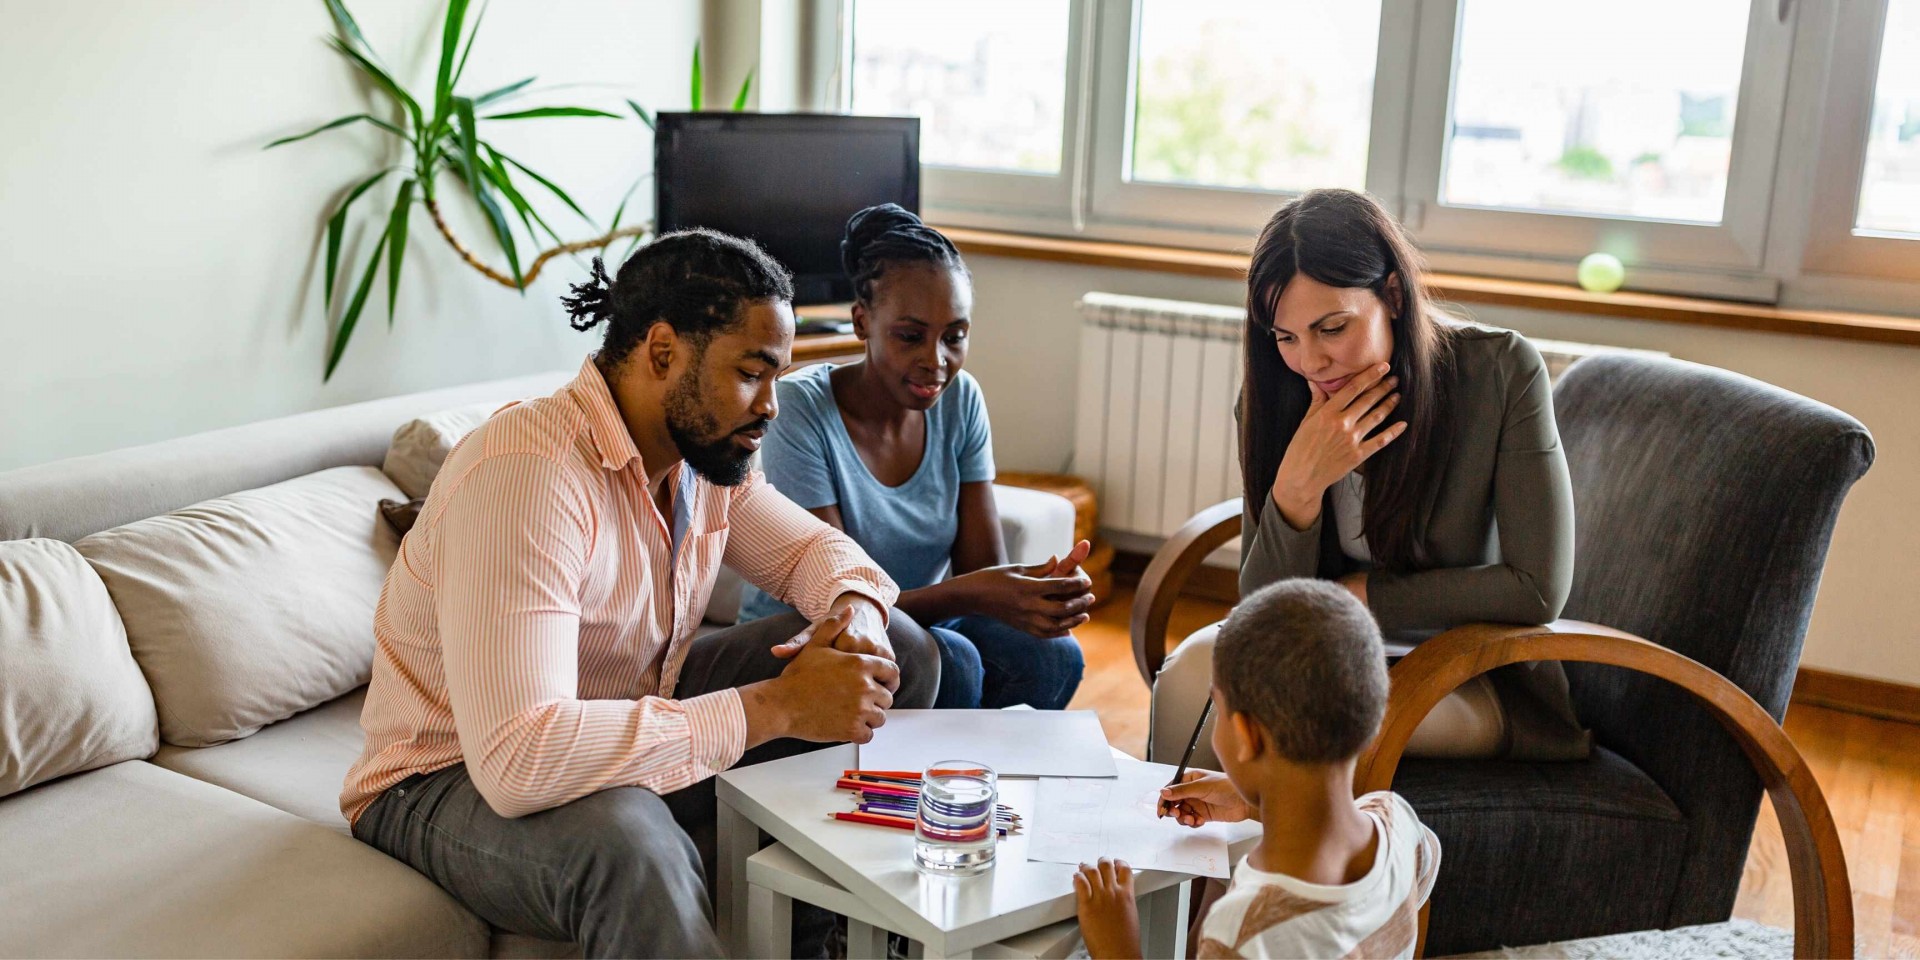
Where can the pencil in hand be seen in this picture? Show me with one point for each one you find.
(1164, 808)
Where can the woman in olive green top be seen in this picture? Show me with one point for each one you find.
(1411, 457)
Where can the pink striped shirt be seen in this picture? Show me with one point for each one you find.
(534, 622)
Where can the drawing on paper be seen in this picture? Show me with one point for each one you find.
(1080, 820)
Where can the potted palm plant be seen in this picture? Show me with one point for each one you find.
(444, 138)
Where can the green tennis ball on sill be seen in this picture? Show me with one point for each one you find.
(1601, 273)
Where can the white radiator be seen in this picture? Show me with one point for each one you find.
(1154, 430)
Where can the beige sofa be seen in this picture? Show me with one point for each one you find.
(185, 632)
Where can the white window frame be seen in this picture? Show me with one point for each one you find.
(1788, 230)
(1834, 245)
(1736, 245)
(1237, 212)
(1011, 199)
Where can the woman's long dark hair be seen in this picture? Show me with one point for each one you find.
(1345, 239)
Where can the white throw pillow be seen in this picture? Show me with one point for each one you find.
(420, 446)
(250, 608)
(71, 697)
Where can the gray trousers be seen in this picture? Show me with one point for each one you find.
(624, 872)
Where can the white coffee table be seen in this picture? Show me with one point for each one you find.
(872, 868)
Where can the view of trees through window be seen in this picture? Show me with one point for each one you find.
(1890, 186)
(1222, 100)
(987, 78)
(1626, 110)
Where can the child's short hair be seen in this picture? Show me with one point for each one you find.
(1304, 659)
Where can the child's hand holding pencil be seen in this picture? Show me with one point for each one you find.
(1202, 796)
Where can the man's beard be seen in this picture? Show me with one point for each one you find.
(697, 434)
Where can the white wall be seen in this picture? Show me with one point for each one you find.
(1867, 618)
(161, 274)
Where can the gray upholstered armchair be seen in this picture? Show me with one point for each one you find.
(1704, 502)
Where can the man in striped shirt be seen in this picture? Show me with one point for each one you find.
(542, 725)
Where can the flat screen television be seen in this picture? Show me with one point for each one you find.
(787, 180)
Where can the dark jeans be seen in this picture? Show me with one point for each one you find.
(986, 663)
(624, 872)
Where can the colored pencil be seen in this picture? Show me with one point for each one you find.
(911, 806)
(885, 820)
(884, 791)
(909, 796)
(908, 810)
(913, 775)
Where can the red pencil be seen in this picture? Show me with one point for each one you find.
(877, 788)
(883, 820)
(909, 774)
(877, 819)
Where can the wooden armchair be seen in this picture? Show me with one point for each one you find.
(1706, 501)
(1822, 895)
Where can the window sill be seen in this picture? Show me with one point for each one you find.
(1461, 288)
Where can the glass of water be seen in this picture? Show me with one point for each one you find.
(954, 824)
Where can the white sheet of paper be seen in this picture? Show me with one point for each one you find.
(1080, 821)
(1015, 743)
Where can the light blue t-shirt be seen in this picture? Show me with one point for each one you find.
(909, 529)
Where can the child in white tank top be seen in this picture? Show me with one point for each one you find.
(1300, 686)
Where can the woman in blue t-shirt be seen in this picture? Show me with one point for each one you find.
(896, 450)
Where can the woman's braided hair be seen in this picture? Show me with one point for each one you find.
(694, 280)
(878, 237)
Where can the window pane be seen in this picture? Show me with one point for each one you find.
(1276, 95)
(1890, 188)
(1624, 109)
(987, 78)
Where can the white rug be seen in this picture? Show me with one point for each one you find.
(1739, 939)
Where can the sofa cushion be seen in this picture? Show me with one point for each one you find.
(71, 697)
(1034, 524)
(296, 765)
(252, 607)
(133, 860)
(421, 445)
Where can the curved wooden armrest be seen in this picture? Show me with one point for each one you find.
(1172, 564)
(1822, 896)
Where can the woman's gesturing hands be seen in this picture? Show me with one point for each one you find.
(1044, 599)
(1336, 435)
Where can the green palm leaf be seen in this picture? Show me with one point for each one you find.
(381, 79)
(344, 22)
(449, 42)
(352, 315)
(697, 94)
(469, 155)
(461, 70)
(740, 99)
(496, 171)
(343, 121)
(483, 189)
(505, 235)
(397, 245)
(538, 112)
(336, 227)
(502, 93)
(639, 111)
(622, 208)
(552, 187)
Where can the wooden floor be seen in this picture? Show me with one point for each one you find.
(1868, 768)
